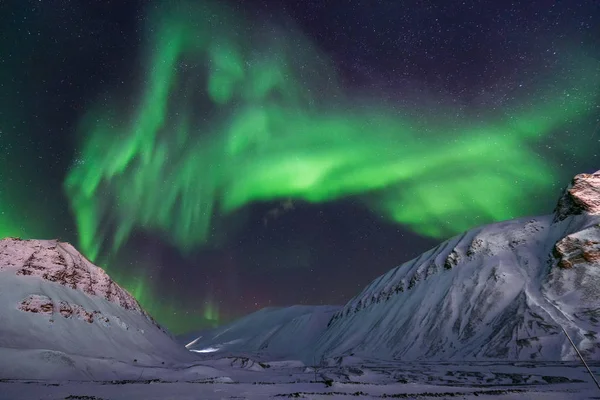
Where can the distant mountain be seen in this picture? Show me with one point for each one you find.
(498, 292)
(271, 333)
(56, 305)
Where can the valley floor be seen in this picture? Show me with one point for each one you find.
(246, 379)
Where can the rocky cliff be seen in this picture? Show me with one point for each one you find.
(581, 196)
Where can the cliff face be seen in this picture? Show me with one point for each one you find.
(581, 196)
(579, 249)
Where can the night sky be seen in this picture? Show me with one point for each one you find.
(220, 157)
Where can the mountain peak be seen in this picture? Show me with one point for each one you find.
(581, 196)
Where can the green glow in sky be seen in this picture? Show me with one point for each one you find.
(231, 115)
(168, 311)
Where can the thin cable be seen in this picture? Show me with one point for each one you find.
(581, 357)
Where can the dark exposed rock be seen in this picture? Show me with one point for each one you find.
(37, 303)
(452, 260)
(580, 248)
(581, 196)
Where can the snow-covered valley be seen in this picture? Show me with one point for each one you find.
(241, 378)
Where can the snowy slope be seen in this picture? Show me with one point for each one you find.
(502, 291)
(273, 333)
(498, 292)
(55, 304)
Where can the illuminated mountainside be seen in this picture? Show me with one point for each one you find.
(502, 291)
(56, 304)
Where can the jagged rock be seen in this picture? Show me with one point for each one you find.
(452, 260)
(37, 303)
(432, 269)
(592, 256)
(579, 248)
(582, 195)
(68, 310)
(413, 280)
(475, 247)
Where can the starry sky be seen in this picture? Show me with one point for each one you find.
(218, 157)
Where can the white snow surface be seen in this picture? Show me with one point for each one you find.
(69, 317)
(349, 378)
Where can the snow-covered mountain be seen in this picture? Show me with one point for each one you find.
(503, 291)
(55, 304)
(272, 333)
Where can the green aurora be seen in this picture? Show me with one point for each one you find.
(169, 312)
(231, 116)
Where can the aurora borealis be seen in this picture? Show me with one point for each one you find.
(166, 150)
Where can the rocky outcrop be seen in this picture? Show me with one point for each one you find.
(581, 248)
(43, 305)
(68, 310)
(581, 196)
(452, 260)
(37, 303)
